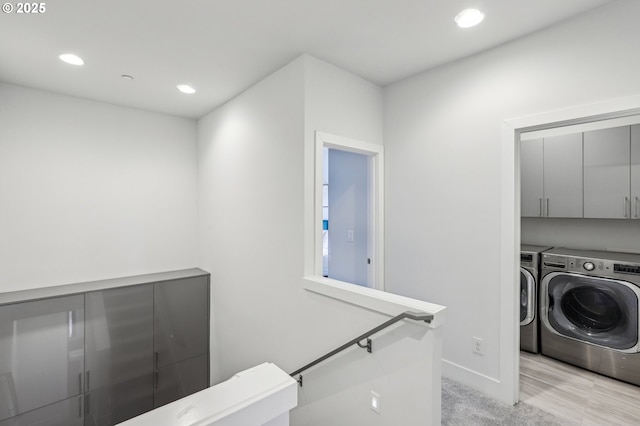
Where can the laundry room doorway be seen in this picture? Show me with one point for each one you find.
(512, 132)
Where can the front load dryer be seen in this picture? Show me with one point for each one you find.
(529, 288)
(589, 311)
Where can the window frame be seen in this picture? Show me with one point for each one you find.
(376, 197)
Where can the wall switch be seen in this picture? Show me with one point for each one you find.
(477, 345)
(375, 402)
(350, 235)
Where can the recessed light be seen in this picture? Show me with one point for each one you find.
(186, 89)
(469, 18)
(72, 59)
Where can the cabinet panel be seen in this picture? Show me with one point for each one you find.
(180, 379)
(531, 167)
(114, 404)
(563, 176)
(606, 173)
(64, 413)
(119, 335)
(181, 320)
(635, 171)
(41, 353)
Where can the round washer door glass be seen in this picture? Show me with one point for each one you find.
(527, 297)
(592, 309)
(596, 310)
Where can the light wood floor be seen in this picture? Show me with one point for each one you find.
(576, 396)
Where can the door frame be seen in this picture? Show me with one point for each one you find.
(510, 219)
(375, 197)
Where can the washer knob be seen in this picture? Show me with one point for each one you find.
(589, 266)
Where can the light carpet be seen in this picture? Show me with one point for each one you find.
(463, 406)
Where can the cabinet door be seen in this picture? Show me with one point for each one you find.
(181, 320)
(563, 175)
(41, 353)
(180, 379)
(119, 354)
(635, 171)
(64, 413)
(119, 335)
(606, 173)
(122, 401)
(531, 166)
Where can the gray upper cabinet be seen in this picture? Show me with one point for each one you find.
(635, 171)
(563, 176)
(41, 354)
(181, 320)
(551, 176)
(607, 187)
(531, 178)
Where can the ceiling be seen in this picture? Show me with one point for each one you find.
(221, 47)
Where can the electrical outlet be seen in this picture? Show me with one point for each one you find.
(375, 402)
(477, 345)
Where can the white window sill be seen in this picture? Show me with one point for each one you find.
(375, 300)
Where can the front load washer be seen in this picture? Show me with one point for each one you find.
(589, 311)
(529, 288)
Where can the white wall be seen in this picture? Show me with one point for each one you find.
(443, 151)
(254, 183)
(348, 211)
(587, 234)
(91, 191)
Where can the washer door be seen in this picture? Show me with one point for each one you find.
(596, 310)
(527, 297)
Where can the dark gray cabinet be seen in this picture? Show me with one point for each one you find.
(181, 338)
(101, 357)
(68, 412)
(182, 378)
(119, 350)
(41, 353)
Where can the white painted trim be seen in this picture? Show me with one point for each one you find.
(510, 225)
(376, 153)
(485, 384)
(374, 300)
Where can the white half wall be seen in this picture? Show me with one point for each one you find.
(443, 135)
(92, 191)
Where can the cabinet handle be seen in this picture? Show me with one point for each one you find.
(79, 383)
(87, 403)
(88, 382)
(155, 380)
(79, 407)
(637, 199)
(547, 207)
(627, 207)
(540, 215)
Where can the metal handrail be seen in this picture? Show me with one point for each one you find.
(416, 316)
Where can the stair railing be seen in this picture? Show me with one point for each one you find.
(416, 316)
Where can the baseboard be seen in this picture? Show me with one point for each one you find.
(485, 384)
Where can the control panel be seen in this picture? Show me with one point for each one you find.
(626, 269)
